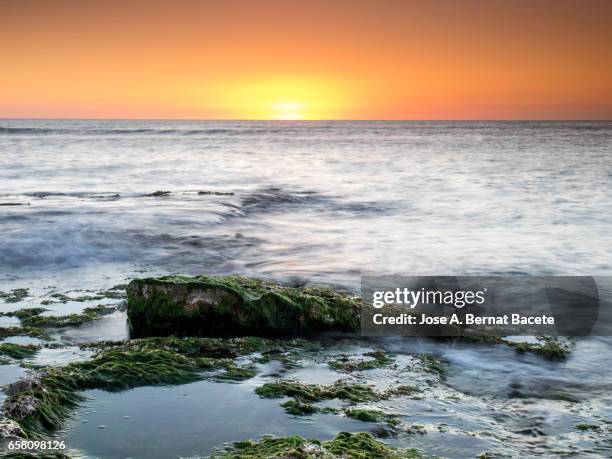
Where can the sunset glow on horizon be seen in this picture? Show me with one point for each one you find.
(306, 60)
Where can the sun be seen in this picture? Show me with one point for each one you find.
(288, 110)
(277, 98)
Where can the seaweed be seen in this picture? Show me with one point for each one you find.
(70, 320)
(40, 404)
(290, 447)
(363, 446)
(341, 390)
(31, 318)
(378, 359)
(403, 390)
(24, 313)
(206, 347)
(548, 347)
(33, 332)
(315, 392)
(237, 373)
(63, 298)
(588, 427)
(298, 408)
(345, 445)
(18, 351)
(15, 295)
(433, 365)
(369, 415)
(43, 404)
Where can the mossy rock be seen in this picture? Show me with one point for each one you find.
(236, 306)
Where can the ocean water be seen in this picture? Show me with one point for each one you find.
(87, 205)
(304, 201)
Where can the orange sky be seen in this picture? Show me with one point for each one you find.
(306, 60)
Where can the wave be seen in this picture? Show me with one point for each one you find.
(278, 200)
(271, 198)
(23, 130)
(68, 244)
(85, 131)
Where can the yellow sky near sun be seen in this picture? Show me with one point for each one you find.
(287, 97)
(335, 59)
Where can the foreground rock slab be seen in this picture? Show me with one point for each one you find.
(236, 306)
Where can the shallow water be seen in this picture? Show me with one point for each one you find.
(305, 203)
(186, 420)
(450, 419)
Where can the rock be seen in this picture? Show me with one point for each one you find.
(159, 193)
(236, 306)
(23, 385)
(21, 407)
(10, 429)
(216, 193)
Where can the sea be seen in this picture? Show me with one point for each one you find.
(86, 205)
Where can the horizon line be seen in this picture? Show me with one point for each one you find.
(313, 120)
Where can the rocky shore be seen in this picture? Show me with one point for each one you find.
(224, 329)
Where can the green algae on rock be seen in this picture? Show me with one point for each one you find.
(15, 295)
(363, 446)
(370, 415)
(236, 373)
(377, 359)
(70, 320)
(114, 293)
(236, 306)
(33, 332)
(24, 313)
(297, 408)
(18, 351)
(31, 318)
(345, 445)
(341, 390)
(433, 365)
(588, 427)
(548, 347)
(315, 393)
